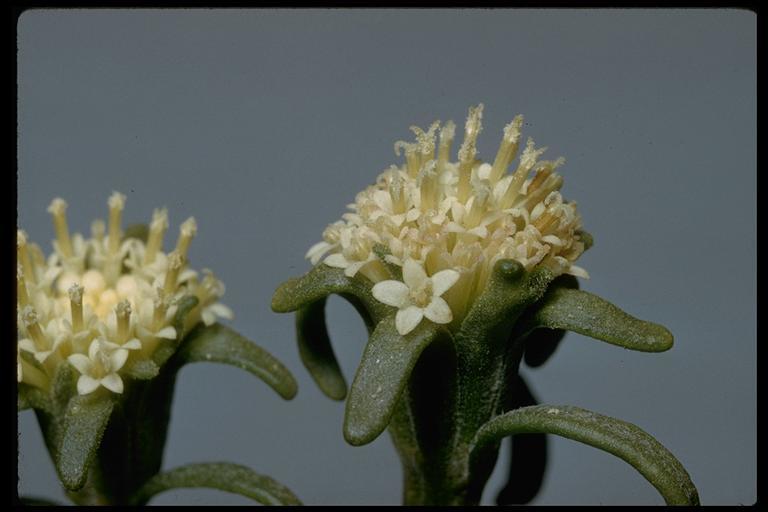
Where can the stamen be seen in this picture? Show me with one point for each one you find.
(397, 193)
(507, 149)
(30, 318)
(123, 314)
(97, 231)
(58, 208)
(479, 204)
(527, 161)
(175, 262)
(116, 204)
(22, 256)
(76, 306)
(444, 150)
(22, 297)
(468, 150)
(157, 229)
(428, 186)
(187, 232)
(161, 307)
(426, 141)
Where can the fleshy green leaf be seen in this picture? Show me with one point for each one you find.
(220, 344)
(219, 475)
(617, 437)
(144, 369)
(592, 316)
(322, 281)
(316, 351)
(383, 372)
(85, 420)
(167, 348)
(528, 453)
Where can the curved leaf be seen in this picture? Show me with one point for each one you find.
(219, 475)
(220, 344)
(84, 423)
(528, 454)
(322, 281)
(592, 316)
(617, 437)
(316, 351)
(383, 372)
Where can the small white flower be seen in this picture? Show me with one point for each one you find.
(100, 367)
(418, 296)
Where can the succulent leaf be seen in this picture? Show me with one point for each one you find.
(316, 351)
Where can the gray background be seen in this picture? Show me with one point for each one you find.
(264, 124)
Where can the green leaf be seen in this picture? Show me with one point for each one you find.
(316, 351)
(144, 369)
(219, 475)
(167, 348)
(220, 344)
(84, 423)
(617, 437)
(31, 397)
(322, 281)
(527, 454)
(588, 314)
(383, 372)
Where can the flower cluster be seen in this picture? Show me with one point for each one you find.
(446, 223)
(105, 303)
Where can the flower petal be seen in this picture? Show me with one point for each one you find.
(413, 274)
(86, 384)
(168, 333)
(577, 271)
(391, 293)
(132, 344)
(438, 311)
(336, 260)
(443, 280)
(353, 268)
(113, 382)
(221, 310)
(81, 363)
(117, 359)
(407, 319)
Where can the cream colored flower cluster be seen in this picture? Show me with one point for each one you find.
(102, 304)
(447, 223)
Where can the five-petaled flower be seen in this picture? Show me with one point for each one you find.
(418, 296)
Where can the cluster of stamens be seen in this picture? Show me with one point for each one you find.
(105, 303)
(461, 216)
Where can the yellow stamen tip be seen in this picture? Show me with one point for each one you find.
(116, 201)
(57, 207)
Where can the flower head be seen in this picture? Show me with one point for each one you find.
(104, 303)
(435, 215)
